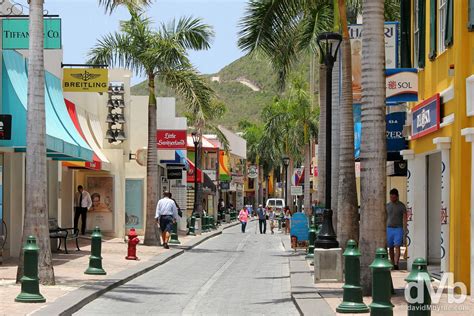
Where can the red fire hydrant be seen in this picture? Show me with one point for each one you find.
(132, 245)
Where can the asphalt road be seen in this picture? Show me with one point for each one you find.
(232, 274)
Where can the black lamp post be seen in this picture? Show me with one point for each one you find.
(286, 162)
(196, 140)
(328, 46)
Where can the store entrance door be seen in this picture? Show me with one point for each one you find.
(433, 196)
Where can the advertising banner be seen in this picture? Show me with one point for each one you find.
(85, 79)
(171, 139)
(401, 85)
(296, 190)
(299, 230)
(134, 203)
(426, 117)
(395, 140)
(391, 53)
(15, 33)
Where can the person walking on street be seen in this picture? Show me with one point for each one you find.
(262, 219)
(396, 222)
(271, 217)
(287, 217)
(82, 203)
(166, 216)
(243, 218)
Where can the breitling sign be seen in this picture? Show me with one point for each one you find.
(85, 80)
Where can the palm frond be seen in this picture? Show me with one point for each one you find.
(111, 5)
(189, 32)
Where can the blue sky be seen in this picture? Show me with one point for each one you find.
(83, 22)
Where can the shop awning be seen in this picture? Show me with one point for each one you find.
(179, 160)
(190, 173)
(99, 160)
(206, 144)
(62, 143)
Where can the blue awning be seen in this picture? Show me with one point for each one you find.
(179, 159)
(62, 143)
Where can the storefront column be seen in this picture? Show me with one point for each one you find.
(409, 156)
(444, 145)
(469, 134)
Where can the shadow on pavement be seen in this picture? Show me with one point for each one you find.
(276, 301)
(201, 250)
(273, 278)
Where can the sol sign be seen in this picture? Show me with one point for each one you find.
(401, 85)
(15, 33)
(171, 139)
(85, 79)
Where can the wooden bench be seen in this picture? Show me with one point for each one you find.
(63, 234)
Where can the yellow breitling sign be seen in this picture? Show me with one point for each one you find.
(85, 80)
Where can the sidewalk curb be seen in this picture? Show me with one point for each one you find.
(75, 300)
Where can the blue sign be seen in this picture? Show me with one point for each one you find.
(426, 117)
(299, 226)
(395, 140)
(401, 85)
(357, 109)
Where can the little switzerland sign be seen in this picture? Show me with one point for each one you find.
(171, 139)
(85, 79)
(15, 33)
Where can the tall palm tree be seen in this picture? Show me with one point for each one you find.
(111, 5)
(160, 54)
(36, 205)
(373, 154)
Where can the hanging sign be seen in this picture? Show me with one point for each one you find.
(395, 140)
(15, 33)
(252, 172)
(174, 173)
(85, 80)
(426, 117)
(401, 85)
(296, 190)
(171, 139)
(5, 127)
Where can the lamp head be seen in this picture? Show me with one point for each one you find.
(195, 138)
(329, 43)
(286, 160)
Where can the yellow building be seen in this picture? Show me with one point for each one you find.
(437, 39)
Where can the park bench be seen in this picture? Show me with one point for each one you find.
(63, 234)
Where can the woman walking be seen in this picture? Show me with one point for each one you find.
(287, 214)
(243, 218)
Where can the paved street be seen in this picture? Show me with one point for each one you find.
(232, 274)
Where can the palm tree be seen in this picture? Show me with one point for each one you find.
(160, 54)
(373, 155)
(36, 205)
(111, 5)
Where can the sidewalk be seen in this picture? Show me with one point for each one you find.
(69, 269)
(325, 297)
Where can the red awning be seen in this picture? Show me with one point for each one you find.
(190, 173)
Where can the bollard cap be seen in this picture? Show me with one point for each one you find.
(381, 260)
(419, 271)
(96, 232)
(351, 249)
(30, 244)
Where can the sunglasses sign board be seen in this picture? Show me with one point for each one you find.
(15, 33)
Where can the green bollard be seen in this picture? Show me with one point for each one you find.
(204, 224)
(311, 240)
(352, 301)
(213, 222)
(381, 285)
(419, 306)
(192, 224)
(174, 235)
(95, 260)
(29, 281)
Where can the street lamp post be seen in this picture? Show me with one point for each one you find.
(328, 43)
(286, 162)
(196, 143)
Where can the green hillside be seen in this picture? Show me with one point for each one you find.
(243, 103)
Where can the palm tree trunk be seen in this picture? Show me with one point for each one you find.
(336, 107)
(373, 154)
(36, 212)
(152, 178)
(348, 224)
(322, 135)
(307, 189)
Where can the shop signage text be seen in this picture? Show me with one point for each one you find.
(174, 173)
(296, 190)
(15, 33)
(5, 127)
(85, 80)
(395, 140)
(225, 185)
(171, 139)
(401, 85)
(426, 117)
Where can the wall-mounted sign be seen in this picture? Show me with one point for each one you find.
(15, 33)
(395, 140)
(225, 185)
(171, 139)
(397, 168)
(5, 127)
(85, 79)
(426, 117)
(252, 172)
(174, 173)
(401, 85)
(296, 190)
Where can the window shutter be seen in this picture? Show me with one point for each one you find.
(433, 10)
(470, 19)
(449, 35)
(422, 28)
(405, 37)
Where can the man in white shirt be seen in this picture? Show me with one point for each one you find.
(166, 216)
(82, 202)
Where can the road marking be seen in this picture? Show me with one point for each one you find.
(190, 308)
